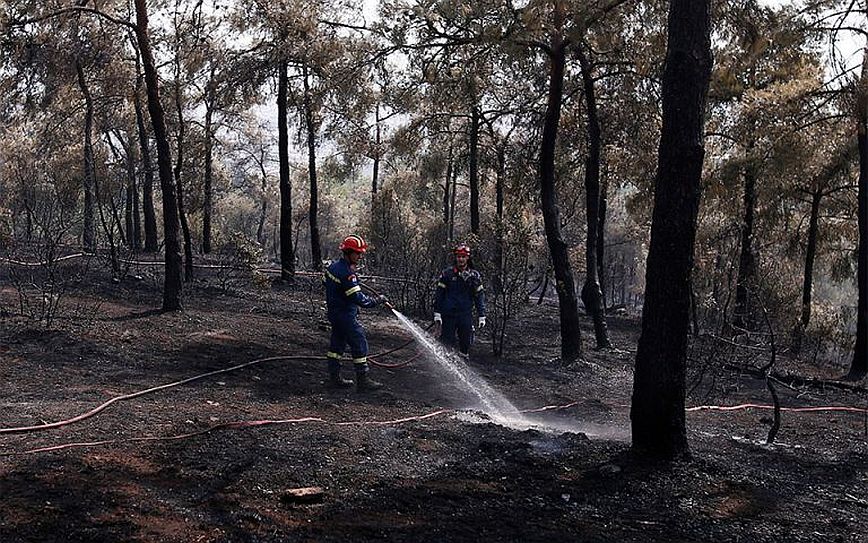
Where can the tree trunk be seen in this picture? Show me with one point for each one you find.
(601, 241)
(128, 198)
(375, 176)
(571, 339)
(130, 231)
(746, 281)
(89, 229)
(109, 232)
(592, 295)
(810, 254)
(179, 166)
(859, 366)
(137, 217)
(287, 254)
(172, 284)
(148, 211)
(263, 209)
(209, 191)
(473, 174)
(452, 203)
(657, 409)
(447, 192)
(310, 125)
(499, 279)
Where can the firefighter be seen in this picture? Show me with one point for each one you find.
(459, 290)
(343, 297)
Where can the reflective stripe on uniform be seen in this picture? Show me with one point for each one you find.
(332, 354)
(479, 288)
(331, 276)
(441, 284)
(353, 290)
(362, 360)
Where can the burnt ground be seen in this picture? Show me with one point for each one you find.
(436, 479)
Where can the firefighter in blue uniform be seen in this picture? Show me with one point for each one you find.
(344, 296)
(459, 290)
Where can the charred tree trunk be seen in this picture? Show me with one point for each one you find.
(859, 366)
(452, 203)
(592, 295)
(109, 231)
(446, 192)
(179, 170)
(746, 281)
(571, 339)
(810, 254)
(287, 252)
(263, 208)
(128, 199)
(137, 216)
(172, 284)
(313, 218)
(148, 211)
(375, 175)
(131, 208)
(657, 409)
(498, 199)
(473, 174)
(89, 229)
(208, 174)
(601, 241)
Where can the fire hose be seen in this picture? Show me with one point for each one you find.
(255, 423)
(96, 410)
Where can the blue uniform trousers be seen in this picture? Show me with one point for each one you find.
(460, 325)
(347, 330)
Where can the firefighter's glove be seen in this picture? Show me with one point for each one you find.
(481, 323)
(382, 299)
(438, 319)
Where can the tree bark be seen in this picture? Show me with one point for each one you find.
(657, 410)
(746, 281)
(375, 176)
(568, 306)
(592, 295)
(473, 174)
(172, 283)
(452, 203)
(447, 192)
(89, 228)
(148, 211)
(287, 253)
(137, 216)
(498, 279)
(263, 208)
(810, 254)
(179, 166)
(310, 125)
(601, 241)
(131, 233)
(859, 365)
(208, 174)
(128, 197)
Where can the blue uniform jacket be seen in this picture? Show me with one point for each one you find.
(343, 293)
(458, 292)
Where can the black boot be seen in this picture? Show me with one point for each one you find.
(365, 383)
(336, 381)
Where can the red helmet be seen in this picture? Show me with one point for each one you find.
(461, 249)
(354, 243)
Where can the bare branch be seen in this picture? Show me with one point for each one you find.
(75, 9)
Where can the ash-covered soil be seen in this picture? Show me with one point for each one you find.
(386, 472)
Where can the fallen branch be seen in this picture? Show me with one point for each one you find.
(797, 380)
